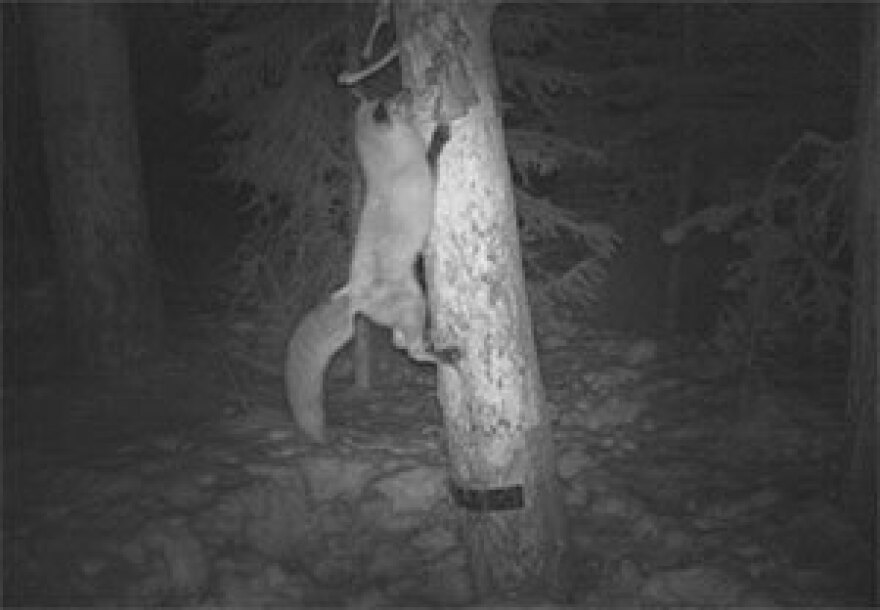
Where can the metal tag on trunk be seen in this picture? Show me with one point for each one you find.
(486, 500)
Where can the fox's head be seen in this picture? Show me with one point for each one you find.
(386, 138)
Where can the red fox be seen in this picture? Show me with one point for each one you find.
(400, 176)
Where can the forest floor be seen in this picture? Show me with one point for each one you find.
(175, 486)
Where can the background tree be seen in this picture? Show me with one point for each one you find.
(2, 175)
(684, 179)
(864, 391)
(110, 286)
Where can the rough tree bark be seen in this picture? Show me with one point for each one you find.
(96, 204)
(864, 390)
(501, 452)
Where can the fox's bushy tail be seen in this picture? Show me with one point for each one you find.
(320, 334)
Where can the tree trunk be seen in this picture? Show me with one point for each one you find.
(864, 392)
(5, 46)
(685, 176)
(96, 202)
(501, 453)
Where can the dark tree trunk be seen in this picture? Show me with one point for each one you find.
(685, 176)
(5, 46)
(864, 393)
(96, 203)
(501, 452)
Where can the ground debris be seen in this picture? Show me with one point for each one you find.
(676, 497)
